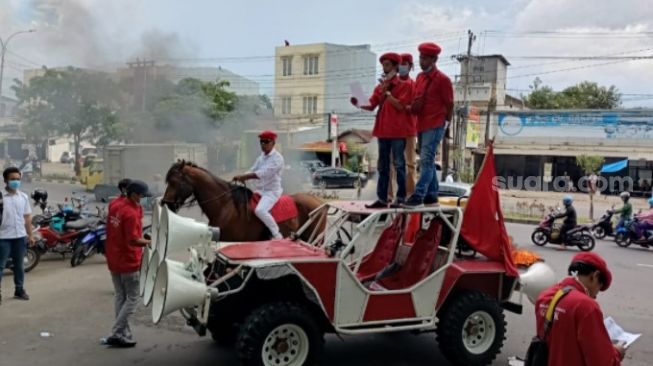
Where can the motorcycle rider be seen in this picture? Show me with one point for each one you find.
(626, 212)
(570, 221)
(645, 222)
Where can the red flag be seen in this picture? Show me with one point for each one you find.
(483, 227)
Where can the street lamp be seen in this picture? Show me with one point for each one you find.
(3, 51)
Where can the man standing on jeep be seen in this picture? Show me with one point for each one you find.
(267, 169)
(433, 106)
(577, 335)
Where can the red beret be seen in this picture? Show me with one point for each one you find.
(407, 57)
(429, 49)
(391, 56)
(597, 262)
(267, 134)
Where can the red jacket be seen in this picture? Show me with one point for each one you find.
(577, 336)
(436, 100)
(412, 129)
(392, 122)
(124, 225)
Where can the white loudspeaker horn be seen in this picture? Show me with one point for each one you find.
(177, 232)
(145, 260)
(150, 277)
(175, 289)
(537, 278)
(156, 219)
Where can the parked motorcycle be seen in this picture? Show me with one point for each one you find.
(549, 233)
(90, 243)
(627, 235)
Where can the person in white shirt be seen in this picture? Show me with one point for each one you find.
(15, 229)
(267, 170)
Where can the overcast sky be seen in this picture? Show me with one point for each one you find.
(106, 34)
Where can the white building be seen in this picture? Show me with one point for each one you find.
(312, 80)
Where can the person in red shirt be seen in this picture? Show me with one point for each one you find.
(391, 96)
(577, 336)
(411, 140)
(122, 187)
(433, 106)
(123, 250)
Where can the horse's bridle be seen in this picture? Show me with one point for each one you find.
(177, 204)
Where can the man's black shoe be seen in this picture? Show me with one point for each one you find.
(397, 204)
(125, 343)
(21, 295)
(413, 202)
(110, 341)
(430, 201)
(377, 204)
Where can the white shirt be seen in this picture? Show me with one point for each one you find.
(15, 207)
(268, 169)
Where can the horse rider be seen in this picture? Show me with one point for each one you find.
(267, 170)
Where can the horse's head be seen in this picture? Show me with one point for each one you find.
(179, 186)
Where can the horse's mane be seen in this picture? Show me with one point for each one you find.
(240, 194)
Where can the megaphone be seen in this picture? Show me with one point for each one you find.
(175, 289)
(156, 219)
(537, 278)
(177, 232)
(145, 260)
(150, 277)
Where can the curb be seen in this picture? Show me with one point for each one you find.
(60, 181)
(522, 221)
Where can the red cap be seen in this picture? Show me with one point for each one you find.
(267, 134)
(429, 49)
(391, 56)
(407, 57)
(597, 262)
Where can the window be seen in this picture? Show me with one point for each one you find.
(286, 65)
(310, 65)
(285, 105)
(310, 105)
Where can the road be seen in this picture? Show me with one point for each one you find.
(75, 306)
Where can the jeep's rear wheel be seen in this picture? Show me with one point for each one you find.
(472, 329)
(280, 334)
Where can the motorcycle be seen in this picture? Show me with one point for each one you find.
(548, 233)
(604, 226)
(627, 235)
(90, 243)
(48, 239)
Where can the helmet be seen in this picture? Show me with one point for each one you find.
(567, 200)
(40, 195)
(624, 196)
(650, 202)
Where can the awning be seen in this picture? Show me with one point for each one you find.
(614, 167)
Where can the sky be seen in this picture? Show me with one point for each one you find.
(241, 35)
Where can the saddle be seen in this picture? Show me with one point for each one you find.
(284, 210)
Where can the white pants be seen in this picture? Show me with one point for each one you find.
(262, 211)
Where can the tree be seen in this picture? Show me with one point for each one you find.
(590, 164)
(71, 102)
(584, 95)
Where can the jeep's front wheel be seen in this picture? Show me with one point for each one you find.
(280, 334)
(471, 329)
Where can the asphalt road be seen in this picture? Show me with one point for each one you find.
(75, 306)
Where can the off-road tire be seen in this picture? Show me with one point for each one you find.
(453, 316)
(263, 320)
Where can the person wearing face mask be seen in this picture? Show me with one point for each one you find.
(432, 104)
(577, 335)
(391, 96)
(15, 230)
(411, 140)
(124, 248)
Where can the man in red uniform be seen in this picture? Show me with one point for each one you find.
(433, 106)
(124, 248)
(391, 96)
(577, 336)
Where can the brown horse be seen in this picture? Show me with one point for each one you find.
(227, 205)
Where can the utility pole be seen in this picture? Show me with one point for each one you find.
(3, 51)
(460, 137)
(141, 67)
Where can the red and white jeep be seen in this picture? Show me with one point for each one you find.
(368, 271)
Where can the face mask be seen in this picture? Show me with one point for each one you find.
(404, 70)
(13, 184)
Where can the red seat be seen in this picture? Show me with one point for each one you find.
(418, 263)
(384, 252)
